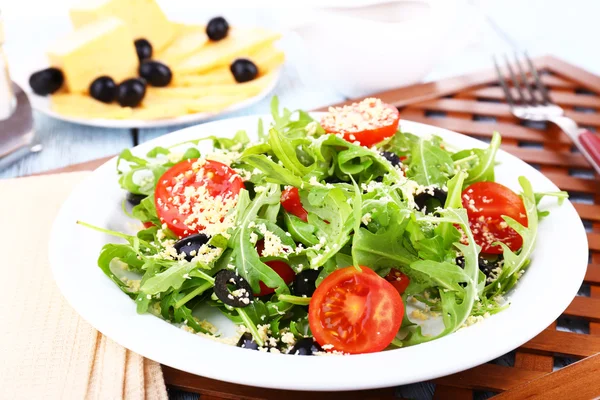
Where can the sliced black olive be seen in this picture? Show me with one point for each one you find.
(103, 89)
(46, 81)
(134, 199)
(143, 49)
(217, 29)
(305, 347)
(190, 245)
(247, 342)
(393, 158)
(155, 73)
(131, 92)
(243, 292)
(243, 70)
(428, 202)
(486, 265)
(304, 283)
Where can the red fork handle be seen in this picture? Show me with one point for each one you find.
(591, 143)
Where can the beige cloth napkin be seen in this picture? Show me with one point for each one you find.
(46, 349)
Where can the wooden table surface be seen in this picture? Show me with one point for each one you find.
(495, 27)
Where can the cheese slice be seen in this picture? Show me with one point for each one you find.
(144, 18)
(104, 47)
(82, 106)
(267, 59)
(248, 89)
(217, 54)
(160, 110)
(188, 40)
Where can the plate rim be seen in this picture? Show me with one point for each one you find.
(326, 374)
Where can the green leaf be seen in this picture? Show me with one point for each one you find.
(430, 165)
(387, 248)
(484, 168)
(445, 275)
(244, 255)
(515, 262)
(273, 172)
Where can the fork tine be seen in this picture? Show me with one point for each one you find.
(505, 88)
(538, 82)
(533, 99)
(516, 83)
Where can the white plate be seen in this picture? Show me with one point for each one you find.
(542, 294)
(42, 104)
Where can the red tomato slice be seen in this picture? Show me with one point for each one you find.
(486, 203)
(355, 311)
(283, 270)
(398, 280)
(367, 122)
(290, 200)
(194, 193)
(148, 224)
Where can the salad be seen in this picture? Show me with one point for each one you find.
(342, 234)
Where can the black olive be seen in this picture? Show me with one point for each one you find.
(304, 283)
(134, 199)
(143, 49)
(247, 342)
(155, 73)
(217, 28)
(486, 265)
(46, 81)
(226, 277)
(243, 70)
(131, 92)
(423, 200)
(393, 158)
(190, 244)
(305, 347)
(334, 179)
(103, 89)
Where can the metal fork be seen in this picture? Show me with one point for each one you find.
(532, 102)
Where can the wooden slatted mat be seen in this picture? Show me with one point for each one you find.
(474, 105)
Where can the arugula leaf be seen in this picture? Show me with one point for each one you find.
(273, 172)
(244, 255)
(387, 248)
(430, 164)
(330, 213)
(515, 262)
(171, 278)
(446, 275)
(483, 169)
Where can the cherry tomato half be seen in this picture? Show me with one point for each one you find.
(486, 203)
(398, 280)
(182, 208)
(290, 200)
(367, 122)
(355, 311)
(282, 268)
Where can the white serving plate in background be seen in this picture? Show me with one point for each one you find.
(550, 283)
(42, 104)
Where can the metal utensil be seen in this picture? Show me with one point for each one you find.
(17, 137)
(532, 102)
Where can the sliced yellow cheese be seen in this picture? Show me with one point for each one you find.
(83, 106)
(248, 89)
(160, 110)
(215, 103)
(144, 18)
(104, 47)
(267, 59)
(221, 53)
(188, 41)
